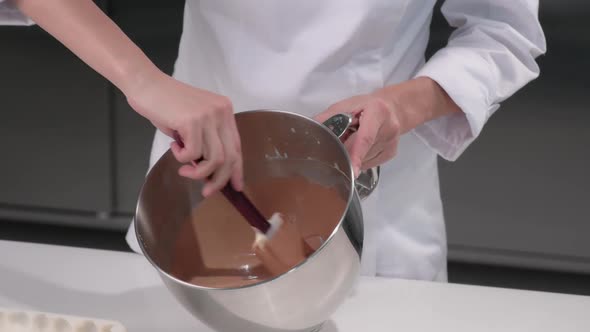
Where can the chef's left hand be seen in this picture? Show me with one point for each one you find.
(384, 115)
(379, 128)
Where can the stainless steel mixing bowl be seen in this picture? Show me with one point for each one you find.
(275, 144)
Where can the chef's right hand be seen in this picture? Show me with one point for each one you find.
(205, 122)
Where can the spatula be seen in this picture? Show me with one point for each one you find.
(278, 255)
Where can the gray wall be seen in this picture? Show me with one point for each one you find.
(518, 196)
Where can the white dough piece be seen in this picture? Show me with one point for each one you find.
(13, 320)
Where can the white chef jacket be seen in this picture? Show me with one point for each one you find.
(303, 56)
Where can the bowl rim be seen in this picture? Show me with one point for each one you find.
(349, 201)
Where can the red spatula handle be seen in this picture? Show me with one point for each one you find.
(238, 199)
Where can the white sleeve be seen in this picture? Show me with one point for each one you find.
(489, 56)
(10, 15)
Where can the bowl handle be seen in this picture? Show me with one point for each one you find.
(342, 126)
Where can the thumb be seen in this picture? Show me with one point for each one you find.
(364, 139)
(355, 161)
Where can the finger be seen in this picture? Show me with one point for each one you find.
(237, 176)
(379, 153)
(364, 138)
(373, 152)
(193, 146)
(380, 158)
(176, 149)
(218, 181)
(213, 156)
(187, 171)
(377, 160)
(348, 142)
(224, 172)
(376, 150)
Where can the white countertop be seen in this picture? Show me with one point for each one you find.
(124, 287)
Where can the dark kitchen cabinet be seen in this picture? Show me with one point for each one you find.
(54, 127)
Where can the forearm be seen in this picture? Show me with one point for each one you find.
(84, 29)
(417, 101)
(490, 56)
